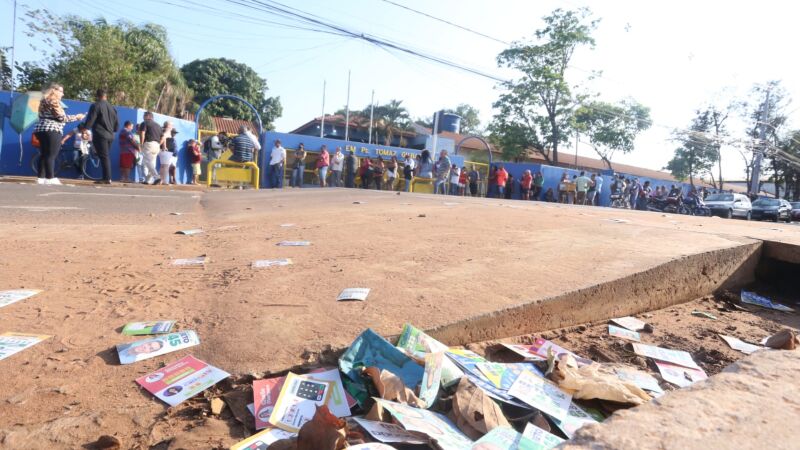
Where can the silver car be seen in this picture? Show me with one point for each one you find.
(730, 205)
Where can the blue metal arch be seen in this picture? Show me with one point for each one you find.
(488, 149)
(232, 97)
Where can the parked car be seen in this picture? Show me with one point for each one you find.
(729, 205)
(772, 209)
(795, 210)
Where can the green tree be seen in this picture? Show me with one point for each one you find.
(31, 77)
(698, 154)
(775, 124)
(5, 70)
(470, 119)
(215, 76)
(611, 128)
(535, 111)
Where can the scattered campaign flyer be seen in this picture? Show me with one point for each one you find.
(755, 299)
(542, 394)
(151, 327)
(679, 375)
(630, 323)
(294, 243)
(623, 333)
(189, 262)
(263, 439)
(298, 401)
(493, 372)
(389, 432)
(264, 263)
(576, 418)
(524, 351)
(189, 232)
(541, 439)
(542, 347)
(265, 395)
(740, 345)
(419, 344)
(468, 360)
(432, 379)
(337, 402)
(15, 295)
(434, 425)
(11, 342)
(503, 438)
(353, 294)
(182, 380)
(160, 345)
(678, 357)
(641, 379)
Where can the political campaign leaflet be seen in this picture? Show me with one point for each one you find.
(298, 401)
(468, 361)
(738, 344)
(641, 379)
(630, 323)
(524, 351)
(679, 375)
(623, 333)
(191, 232)
(419, 344)
(293, 243)
(264, 263)
(755, 299)
(542, 394)
(354, 294)
(337, 402)
(181, 380)
(145, 328)
(189, 262)
(156, 346)
(15, 295)
(11, 342)
(576, 418)
(504, 438)
(492, 371)
(542, 439)
(389, 432)
(434, 425)
(543, 347)
(431, 380)
(664, 354)
(265, 395)
(262, 440)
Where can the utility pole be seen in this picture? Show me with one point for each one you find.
(755, 182)
(347, 111)
(435, 136)
(322, 124)
(13, 48)
(577, 139)
(371, 115)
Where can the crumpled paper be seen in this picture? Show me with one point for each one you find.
(590, 382)
(391, 387)
(474, 412)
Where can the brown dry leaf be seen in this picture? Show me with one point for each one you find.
(237, 402)
(475, 412)
(283, 444)
(378, 414)
(589, 382)
(391, 387)
(323, 432)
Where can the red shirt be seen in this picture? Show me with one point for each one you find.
(526, 181)
(194, 153)
(501, 177)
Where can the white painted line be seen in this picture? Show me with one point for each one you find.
(109, 195)
(40, 208)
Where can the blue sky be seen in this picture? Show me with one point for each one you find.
(670, 56)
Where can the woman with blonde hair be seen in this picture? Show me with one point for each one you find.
(49, 130)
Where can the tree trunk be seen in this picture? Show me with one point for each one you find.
(556, 136)
(719, 162)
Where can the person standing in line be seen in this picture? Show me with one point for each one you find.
(195, 157)
(256, 143)
(103, 122)
(276, 160)
(408, 173)
(635, 188)
(378, 168)
(455, 174)
(592, 192)
(337, 164)
(425, 167)
(525, 185)
(442, 172)
(491, 186)
(172, 147)
(474, 178)
(81, 144)
(509, 189)
(323, 161)
(644, 196)
(243, 147)
(165, 156)
(462, 182)
(365, 173)
(391, 173)
(150, 134)
(538, 185)
(298, 167)
(128, 148)
(501, 177)
(49, 131)
(582, 187)
(350, 170)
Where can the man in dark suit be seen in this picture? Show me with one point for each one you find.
(103, 122)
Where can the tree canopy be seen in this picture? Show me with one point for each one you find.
(215, 76)
(5, 70)
(611, 128)
(698, 153)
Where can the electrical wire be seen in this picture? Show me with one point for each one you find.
(448, 22)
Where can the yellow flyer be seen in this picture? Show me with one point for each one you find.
(298, 401)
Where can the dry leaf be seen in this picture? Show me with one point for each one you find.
(391, 387)
(323, 432)
(378, 414)
(283, 444)
(589, 382)
(475, 412)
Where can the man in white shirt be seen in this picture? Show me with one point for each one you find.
(256, 144)
(410, 162)
(276, 160)
(337, 164)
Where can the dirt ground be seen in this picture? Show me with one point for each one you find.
(102, 258)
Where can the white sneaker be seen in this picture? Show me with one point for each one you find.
(41, 181)
(55, 181)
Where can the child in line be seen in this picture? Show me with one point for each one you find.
(455, 175)
(196, 157)
(462, 182)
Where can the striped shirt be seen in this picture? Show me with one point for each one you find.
(52, 117)
(242, 148)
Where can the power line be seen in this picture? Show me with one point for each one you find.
(448, 22)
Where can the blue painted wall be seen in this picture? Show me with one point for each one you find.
(10, 149)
